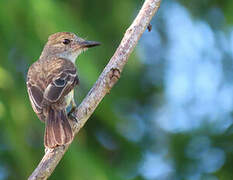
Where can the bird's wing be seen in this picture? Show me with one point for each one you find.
(34, 87)
(35, 96)
(60, 85)
(49, 81)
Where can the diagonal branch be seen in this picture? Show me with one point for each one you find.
(103, 85)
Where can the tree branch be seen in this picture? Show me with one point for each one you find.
(103, 85)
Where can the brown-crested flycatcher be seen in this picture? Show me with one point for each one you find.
(50, 83)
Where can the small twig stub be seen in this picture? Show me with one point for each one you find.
(149, 27)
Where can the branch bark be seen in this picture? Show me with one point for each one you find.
(103, 85)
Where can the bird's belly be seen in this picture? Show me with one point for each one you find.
(69, 97)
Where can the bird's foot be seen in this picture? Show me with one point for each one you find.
(71, 114)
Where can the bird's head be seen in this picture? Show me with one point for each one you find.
(66, 45)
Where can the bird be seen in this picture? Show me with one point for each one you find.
(50, 85)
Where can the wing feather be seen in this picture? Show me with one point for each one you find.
(60, 86)
(36, 97)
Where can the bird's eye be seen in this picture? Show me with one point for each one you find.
(66, 41)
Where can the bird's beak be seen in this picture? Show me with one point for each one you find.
(88, 44)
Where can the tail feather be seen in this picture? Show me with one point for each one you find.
(49, 139)
(58, 130)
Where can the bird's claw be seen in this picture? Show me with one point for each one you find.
(71, 114)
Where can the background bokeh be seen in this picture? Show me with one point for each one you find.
(168, 118)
